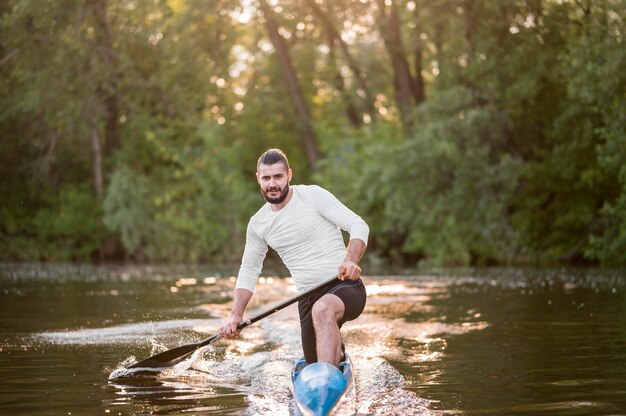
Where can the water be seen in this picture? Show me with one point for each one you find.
(489, 342)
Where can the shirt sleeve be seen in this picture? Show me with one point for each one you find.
(252, 261)
(334, 211)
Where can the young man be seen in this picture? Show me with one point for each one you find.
(302, 223)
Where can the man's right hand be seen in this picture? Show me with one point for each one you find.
(230, 330)
(242, 297)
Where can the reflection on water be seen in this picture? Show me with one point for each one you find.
(192, 393)
(488, 341)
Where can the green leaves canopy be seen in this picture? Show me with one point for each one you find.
(514, 152)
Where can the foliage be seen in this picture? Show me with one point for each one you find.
(68, 226)
(131, 129)
(128, 209)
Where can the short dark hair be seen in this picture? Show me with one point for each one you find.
(272, 156)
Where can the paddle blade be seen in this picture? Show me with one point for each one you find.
(172, 357)
(168, 358)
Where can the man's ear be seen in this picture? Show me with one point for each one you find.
(289, 174)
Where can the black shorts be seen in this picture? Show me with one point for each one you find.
(352, 294)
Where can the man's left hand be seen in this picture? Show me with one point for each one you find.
(349, 270)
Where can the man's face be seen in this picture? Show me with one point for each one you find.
(274, 181)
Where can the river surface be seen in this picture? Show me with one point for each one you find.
(460, 342)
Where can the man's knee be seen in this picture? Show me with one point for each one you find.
(328, 308)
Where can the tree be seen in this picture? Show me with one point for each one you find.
(464, 131)
(302, 109)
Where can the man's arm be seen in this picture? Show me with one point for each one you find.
(337, 213)
(334, 211)
(251, 265)
(350, 269)
(242, 297)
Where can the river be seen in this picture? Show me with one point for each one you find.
(461, 342)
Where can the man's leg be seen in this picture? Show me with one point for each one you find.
(327, 312)
(307, 330)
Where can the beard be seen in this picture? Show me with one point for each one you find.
(280, 198)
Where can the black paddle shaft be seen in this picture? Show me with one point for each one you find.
(174, 356)
(287, 303)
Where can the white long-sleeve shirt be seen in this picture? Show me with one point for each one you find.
(306, 235)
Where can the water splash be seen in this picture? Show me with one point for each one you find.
(120, 334)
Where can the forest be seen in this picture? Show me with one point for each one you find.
(465, 132)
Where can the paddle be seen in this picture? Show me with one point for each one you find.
(174, 356)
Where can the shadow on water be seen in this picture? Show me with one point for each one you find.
(493, 341)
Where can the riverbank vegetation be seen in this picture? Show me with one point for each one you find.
(465, 132)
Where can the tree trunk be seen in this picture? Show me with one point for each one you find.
(351, 111)
(469, 22)
(336, 39)
(8, 56)
(96, 153)
(403, 82)
(438, 42)
(419, 92)
(302, 109)
(107, 87)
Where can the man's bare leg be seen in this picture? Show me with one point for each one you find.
(327, 311)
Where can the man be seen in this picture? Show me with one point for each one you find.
(302, 224)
